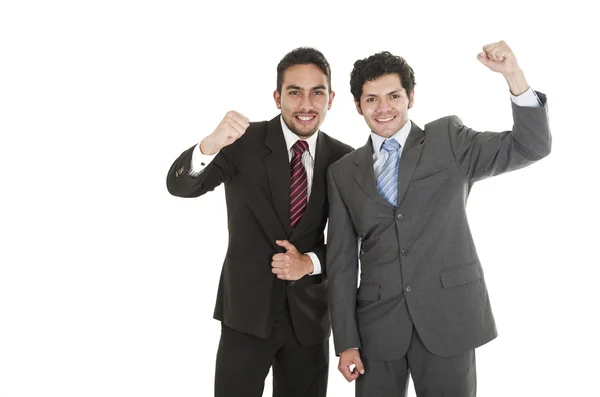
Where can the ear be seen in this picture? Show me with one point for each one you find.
(411, 100)
(331, 96)
(277, 98)
(358, 109)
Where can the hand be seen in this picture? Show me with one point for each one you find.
(229, 130)
(347, 359)
(499, 58)
(292, 265)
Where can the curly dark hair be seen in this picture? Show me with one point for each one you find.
(376, 66)
(303, 56)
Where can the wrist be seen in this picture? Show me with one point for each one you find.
(208, 147)
(516, 82)
(310, 267)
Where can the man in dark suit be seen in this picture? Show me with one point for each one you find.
(397, 205)
(272, 297)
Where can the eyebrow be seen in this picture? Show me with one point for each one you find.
(295, 87)
(396, 91)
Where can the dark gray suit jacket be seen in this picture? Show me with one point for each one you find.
(418, 262)
(256, 172)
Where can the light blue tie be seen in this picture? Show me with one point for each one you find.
(387, 181)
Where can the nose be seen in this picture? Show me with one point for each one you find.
(383, 105)
(306, 103)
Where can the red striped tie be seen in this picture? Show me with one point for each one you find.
(298, 183)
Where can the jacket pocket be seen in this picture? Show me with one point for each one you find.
(431, 175)
(463, 275)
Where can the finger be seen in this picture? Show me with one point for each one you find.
(236, 127)
(502, 52)
(490, 47)
(483, 58)
(345, 370)
(283, 277)
(239, 125)
(281, 258)
(278, 270)
(280, 265)
(359, 366)
(243, 120)
(286, 244)
(489, 50)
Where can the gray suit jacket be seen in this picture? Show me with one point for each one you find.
(418, 262)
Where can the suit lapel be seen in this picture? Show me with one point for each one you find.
(411, 153)
(365, 175)
(318, 189)
(277, 165)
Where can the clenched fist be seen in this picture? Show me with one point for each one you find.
(499, 58)
(229, 130)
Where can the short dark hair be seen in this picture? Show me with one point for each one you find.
(303, 56)
(376, 66)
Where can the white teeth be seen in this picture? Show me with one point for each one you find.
(384, 120)
(305, 118)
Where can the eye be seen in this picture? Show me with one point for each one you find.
(370, 99)
(395, 96)
(293, 92)
(320, 93)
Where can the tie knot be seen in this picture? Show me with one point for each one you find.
(300, 147)
(390, 145)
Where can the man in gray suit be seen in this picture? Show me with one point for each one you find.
(398, 205)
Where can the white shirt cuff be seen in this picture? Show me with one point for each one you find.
(200, 161)
(316, 263)
(528, 99)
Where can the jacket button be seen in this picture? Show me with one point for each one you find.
(407, 289)
(404, 252)
(400, 217)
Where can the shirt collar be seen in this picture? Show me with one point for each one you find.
(291, 138)
(399, 136)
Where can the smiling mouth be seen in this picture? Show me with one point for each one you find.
(305, 119)
(385, 119)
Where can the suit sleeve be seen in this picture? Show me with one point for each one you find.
(220, 170)
(342, 271)
(484, 154)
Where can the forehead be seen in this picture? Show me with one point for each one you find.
(304, 76)
(383, 85)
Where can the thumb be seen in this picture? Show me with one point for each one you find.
(482, 57)
(359, 366)
(286, 244)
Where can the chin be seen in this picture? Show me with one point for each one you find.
(304, 133)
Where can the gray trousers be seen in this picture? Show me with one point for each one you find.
(433, 376)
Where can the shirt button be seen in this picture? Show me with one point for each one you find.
(400, 217)
(404, 252)
(407, 289)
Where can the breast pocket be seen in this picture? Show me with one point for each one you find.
(430, 178)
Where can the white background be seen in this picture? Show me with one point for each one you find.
(107, 283)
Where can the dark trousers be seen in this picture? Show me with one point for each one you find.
(433, 376)
(243, 362)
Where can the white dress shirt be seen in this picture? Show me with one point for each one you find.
(200, 161)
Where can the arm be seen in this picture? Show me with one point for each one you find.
(185, 180)
(484, 154)
(342, 270)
